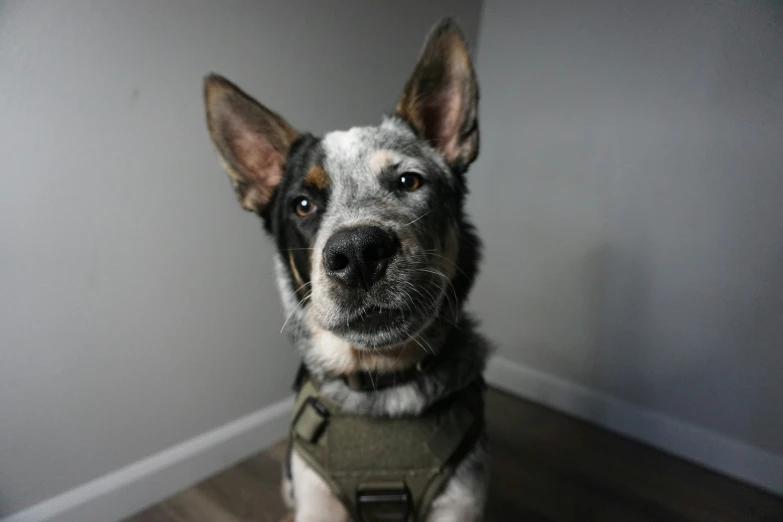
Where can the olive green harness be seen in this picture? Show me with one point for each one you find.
(386, 469)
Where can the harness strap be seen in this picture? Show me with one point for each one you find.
(311, 420)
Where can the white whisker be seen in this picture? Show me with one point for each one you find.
(418, 218)
(294, 310)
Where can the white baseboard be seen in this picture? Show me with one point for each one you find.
(709, 449)
(125, 491)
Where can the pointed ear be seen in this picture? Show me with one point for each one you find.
(440, 100)
(252, 140)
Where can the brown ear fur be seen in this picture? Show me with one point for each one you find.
(440, 100)
(252, 141)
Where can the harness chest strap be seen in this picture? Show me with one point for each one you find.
(386, 469)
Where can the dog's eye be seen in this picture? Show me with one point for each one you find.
(304, 207)
(409, 181)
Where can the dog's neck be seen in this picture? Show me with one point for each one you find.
(455, 357)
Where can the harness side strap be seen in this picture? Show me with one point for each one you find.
(310, 421)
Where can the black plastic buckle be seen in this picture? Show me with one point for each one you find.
(383, 504)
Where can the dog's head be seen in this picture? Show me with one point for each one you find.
(373, 246)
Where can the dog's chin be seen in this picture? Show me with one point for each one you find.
(378, 327)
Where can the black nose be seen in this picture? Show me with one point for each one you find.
(359, 256)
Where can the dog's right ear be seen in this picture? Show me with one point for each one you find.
(252, 140)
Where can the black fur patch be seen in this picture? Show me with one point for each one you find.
(294, 235)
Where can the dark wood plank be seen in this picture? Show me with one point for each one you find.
(153, 514)
(249, 491)
(278, 451)
(191, 505)
(546, 467)
(663, 486)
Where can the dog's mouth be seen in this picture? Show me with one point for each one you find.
(373, 317)
(376, 326)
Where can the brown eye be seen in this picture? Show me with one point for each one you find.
(304, 207)
(409, 181)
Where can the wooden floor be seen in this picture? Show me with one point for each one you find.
(547, 467)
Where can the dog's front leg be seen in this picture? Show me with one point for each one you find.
(313, 499)
(465, 494)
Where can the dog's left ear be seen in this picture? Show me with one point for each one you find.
(440, 100)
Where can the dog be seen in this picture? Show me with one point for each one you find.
(375, 260)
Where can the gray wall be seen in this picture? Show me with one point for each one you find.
(630, 191)
(138, 304)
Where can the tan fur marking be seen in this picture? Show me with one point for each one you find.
(380, 159)
(317, 177)
(297, 276)
(391, 359)
(341, 358)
